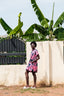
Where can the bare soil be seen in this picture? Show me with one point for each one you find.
(57, 90)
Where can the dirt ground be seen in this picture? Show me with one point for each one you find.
(57, 90)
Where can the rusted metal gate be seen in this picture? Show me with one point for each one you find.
(12, 51)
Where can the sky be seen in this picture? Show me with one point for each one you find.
(9, 10)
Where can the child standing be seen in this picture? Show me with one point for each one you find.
(32, 65)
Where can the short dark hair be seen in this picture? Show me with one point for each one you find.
(33, 43)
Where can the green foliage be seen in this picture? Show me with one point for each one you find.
(34, 36)
(51, 22)
(59, 33)
(47, 27)
(5, 26)
(41, 18)
(50, 26)
(60, 20)
(16, 29)
(51, 30)
(39, 28)
(13, 32)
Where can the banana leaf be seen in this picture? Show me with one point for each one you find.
(59, 33)
(39, 28)
(5, 26)
(60, 20)
(16, 29)
(33, 36)
(44, 21)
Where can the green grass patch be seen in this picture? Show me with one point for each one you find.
(37, 90)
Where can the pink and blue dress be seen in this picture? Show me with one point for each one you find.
(33, 67)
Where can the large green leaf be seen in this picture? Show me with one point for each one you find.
(51, 22)
(19, 33)
(53, 11)
(60, 20)
(39, 28)
(16, 29)
(41, 18)
(33, 36)
(59, 33)
(50, 26)
(5, 26)
(19, 17)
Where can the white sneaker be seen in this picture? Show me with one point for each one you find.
(25, 87)
(33, 87)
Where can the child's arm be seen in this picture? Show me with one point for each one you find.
(37, 58)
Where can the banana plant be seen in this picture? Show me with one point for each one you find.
(47, 29)
(17, 31)
(5, 26)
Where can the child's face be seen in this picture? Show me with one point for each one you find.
(32, 46)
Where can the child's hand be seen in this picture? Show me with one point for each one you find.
(34, 60)
(37, 58)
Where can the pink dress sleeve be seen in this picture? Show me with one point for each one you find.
(37, 52)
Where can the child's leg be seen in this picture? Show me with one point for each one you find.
(27, 78)
(34, 76)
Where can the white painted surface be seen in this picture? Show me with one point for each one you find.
(56, 62)
(50, 66)
(12, 75)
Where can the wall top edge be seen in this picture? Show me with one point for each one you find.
(46, 41)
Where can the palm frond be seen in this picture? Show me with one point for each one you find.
(60, 20)
(5, 26)
(51, 26)
(51, 22)
(16, 29)
(53, 11)
(59, 33)
(19, 33)
(41, 18)
(39, 28)
(33, 36)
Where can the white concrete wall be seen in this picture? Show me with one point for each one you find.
(56, 62)
(50, 66)
(12, 75)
